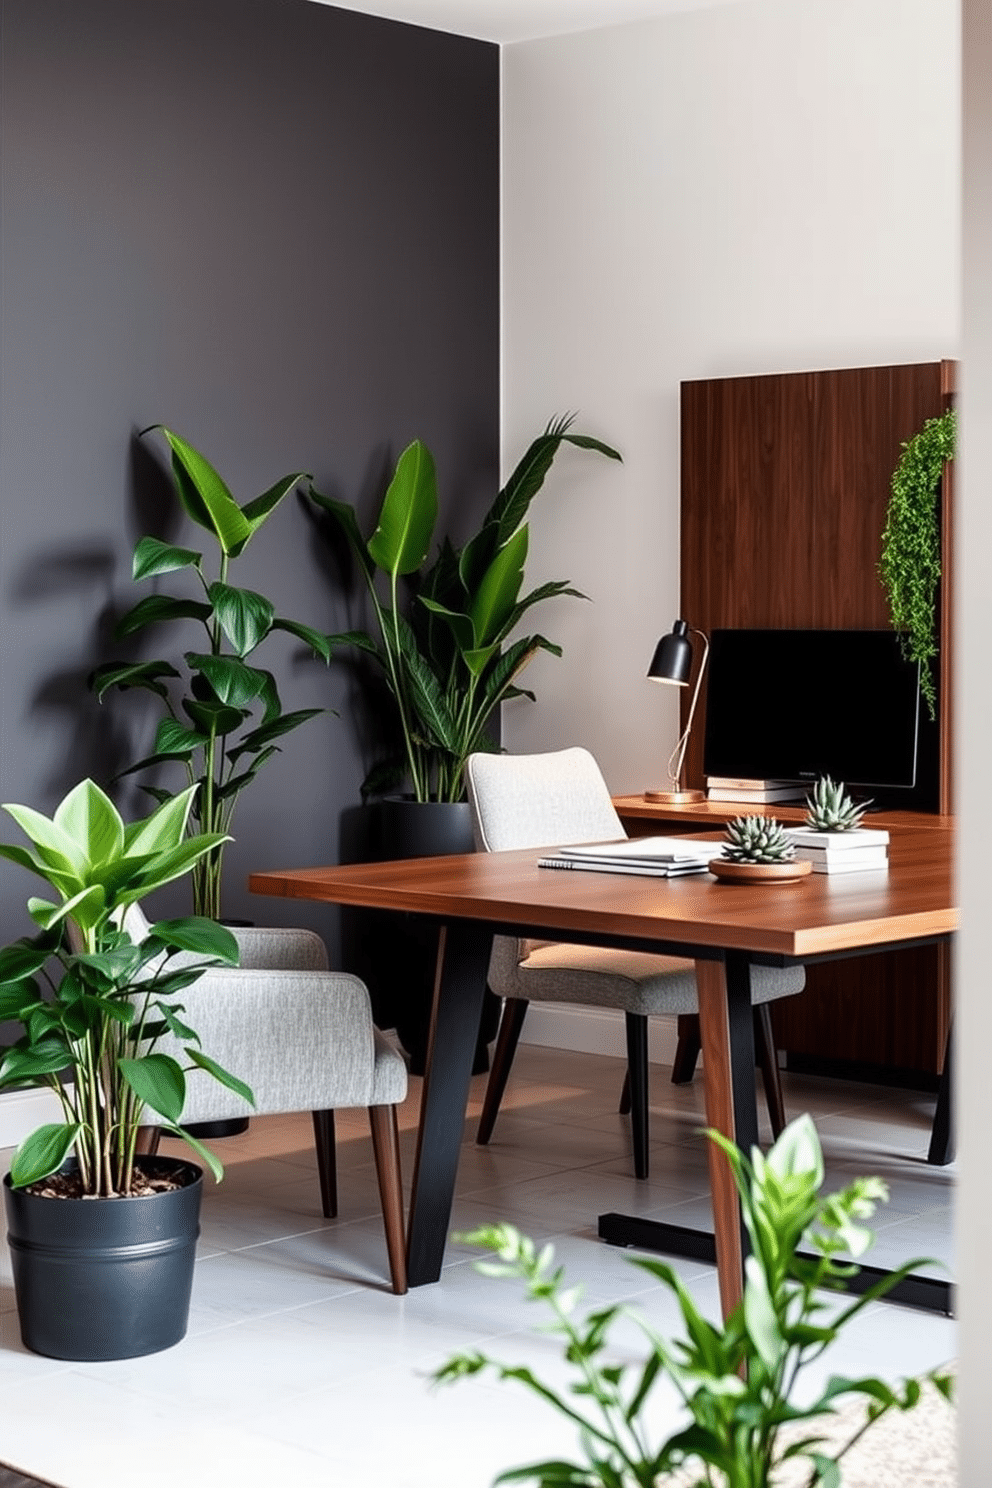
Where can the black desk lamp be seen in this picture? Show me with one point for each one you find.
(672, 663)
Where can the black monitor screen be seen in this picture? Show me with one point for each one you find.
(796, 704)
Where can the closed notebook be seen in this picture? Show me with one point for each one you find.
(664, 857)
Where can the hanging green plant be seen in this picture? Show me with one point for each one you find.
(910, 563)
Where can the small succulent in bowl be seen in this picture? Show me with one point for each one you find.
(831, 809)
(757, 839)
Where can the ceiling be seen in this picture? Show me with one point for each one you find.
(520, 20)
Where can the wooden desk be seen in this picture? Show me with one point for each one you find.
(873, 1018)
(722, 926)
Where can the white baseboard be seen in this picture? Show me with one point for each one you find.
(23, 1110)
(587, 1030)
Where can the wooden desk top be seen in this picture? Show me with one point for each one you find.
(914, 899)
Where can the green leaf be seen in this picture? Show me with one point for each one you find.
(172, 738)
(48, 1056)
(461, 626)
(89, 817)
(345, 517)
(759, 1315)
(231, 679)
(171, 865)
(258, 511)
(319, 643)
(24, 959)
(158, 1081)
(498, 590)
(154, 609)
(402, 537)
(54, 845)
(146, 675)
(42, 1153)
(201, 1151)
(86, 908)
(214, 718)
(222, 1075)
(17, 999)
(200, 935)
(205, 496)
(245, 617)
(235, 784)
(164, 828)
(154, 557)
(262, 737)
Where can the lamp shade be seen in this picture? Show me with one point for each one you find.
(672, 660)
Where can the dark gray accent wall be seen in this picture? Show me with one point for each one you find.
(273, 226)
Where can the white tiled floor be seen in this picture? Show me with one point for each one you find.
(300, 1367)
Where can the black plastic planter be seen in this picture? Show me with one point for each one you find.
(105, 1278)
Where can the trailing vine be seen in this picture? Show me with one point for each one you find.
(909, 567)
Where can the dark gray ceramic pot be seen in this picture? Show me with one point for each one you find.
(105, 1278)
(396, 954)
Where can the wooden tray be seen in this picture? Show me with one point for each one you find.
(760, 872)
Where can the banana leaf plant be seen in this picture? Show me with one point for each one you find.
(454, 656)
(222, 724)
(93, 1004)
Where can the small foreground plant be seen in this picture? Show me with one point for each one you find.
(757, 839)
(736, 1381)
(94, 1005)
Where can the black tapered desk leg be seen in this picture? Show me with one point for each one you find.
(463, 964)
(942, 1143)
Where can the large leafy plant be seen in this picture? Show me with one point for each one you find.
(446, 654)
(93, 1005)
(223, 723)
(909, 567)
(736, 1381)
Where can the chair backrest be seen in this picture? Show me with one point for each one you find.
(539, 800)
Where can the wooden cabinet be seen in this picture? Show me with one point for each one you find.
(785, 485)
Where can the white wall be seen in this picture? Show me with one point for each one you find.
(754, 188)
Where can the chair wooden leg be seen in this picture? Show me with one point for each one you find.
(764, 1045)
(148, 1140)
(386, 1147)
(687, 1050)
(510, 1024)
(327, 1163)
(637, 1068)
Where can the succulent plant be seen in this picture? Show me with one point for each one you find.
(757, 839)
(831, 809)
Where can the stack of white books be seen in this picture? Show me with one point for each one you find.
(662, 857)
(751, 792)
(860, 851)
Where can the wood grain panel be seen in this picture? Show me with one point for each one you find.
(861, 419)
(785, 484)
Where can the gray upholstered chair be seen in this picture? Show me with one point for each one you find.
(303, 1038)
(543, 800)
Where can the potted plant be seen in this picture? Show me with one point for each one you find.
(832, 838)
(450, 662)
(445, 651)
(909, 567)
(224, 721)
(737, 1383)
(107, 1279)
(757, 849)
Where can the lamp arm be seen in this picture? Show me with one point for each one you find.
(677, 757)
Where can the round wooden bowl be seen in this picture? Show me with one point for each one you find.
(771, 873)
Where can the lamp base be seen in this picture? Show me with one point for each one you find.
(676, 797)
